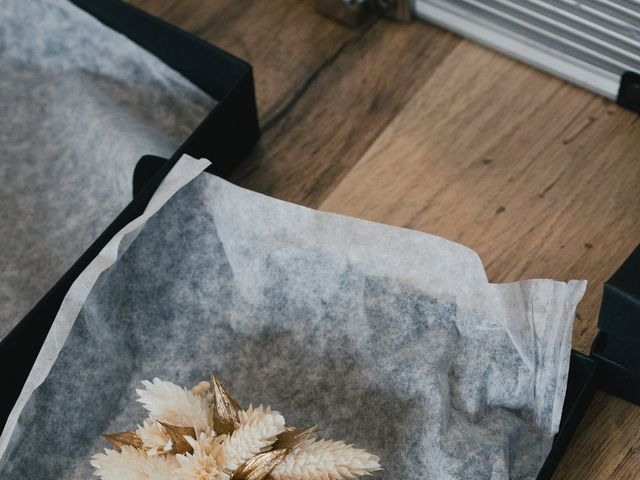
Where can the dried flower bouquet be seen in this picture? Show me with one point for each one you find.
(203, 434)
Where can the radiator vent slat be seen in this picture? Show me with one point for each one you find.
(549, 33)
(607, 33)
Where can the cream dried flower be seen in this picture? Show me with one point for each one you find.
(258, 430)
(202, 463)
(173, 404)
(154, 438)
(133, 464)
(325, 460)
(178, 442)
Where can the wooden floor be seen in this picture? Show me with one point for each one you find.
(412, 126)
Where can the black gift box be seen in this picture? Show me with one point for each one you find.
(225, 136)
(614, 363)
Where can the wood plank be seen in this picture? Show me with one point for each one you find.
(324, 133)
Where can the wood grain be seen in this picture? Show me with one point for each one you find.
(324, 133)
(412, 126)
(284, 40)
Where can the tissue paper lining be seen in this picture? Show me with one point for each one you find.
(81, 104)
(393, 339)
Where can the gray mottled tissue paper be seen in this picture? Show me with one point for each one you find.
(388, 338)
(80, 105)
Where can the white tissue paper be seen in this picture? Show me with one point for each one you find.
(388, 338)
(80, 105)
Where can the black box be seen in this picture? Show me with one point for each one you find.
(617, 346)
(614, 363)
(618, 341)
(225, 136)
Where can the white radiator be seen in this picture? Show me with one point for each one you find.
(588, 42)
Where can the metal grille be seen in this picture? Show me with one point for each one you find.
(589, 42)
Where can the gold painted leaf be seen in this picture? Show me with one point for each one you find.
(177, 434)
(292, 437)
(260, 466)
(120, 439)
(224, 408)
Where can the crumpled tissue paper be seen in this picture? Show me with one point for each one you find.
(391, 339)
(80, 105)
